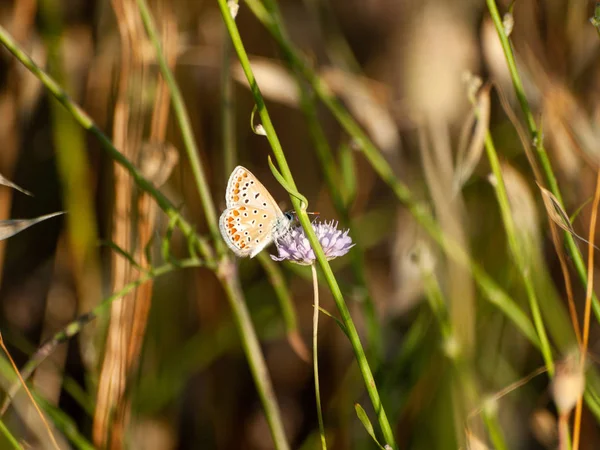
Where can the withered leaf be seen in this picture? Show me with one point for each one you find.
(470, 150)
(9, 228)
(6, 182)
(558, 215)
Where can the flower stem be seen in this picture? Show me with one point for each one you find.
(306, 224)
(316, 355)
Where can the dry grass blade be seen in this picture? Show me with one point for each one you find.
(9, 228)
(587, 313)
(6, 182)
(110, 416)
(35, 405)
(558, 215)
(275, 81)
(367, 100)
(507, 390)
(469, 152)
(157, 161)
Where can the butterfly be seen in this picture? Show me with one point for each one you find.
(252, 219)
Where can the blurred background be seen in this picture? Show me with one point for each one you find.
(408, 72)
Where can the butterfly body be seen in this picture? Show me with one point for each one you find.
(252, 219)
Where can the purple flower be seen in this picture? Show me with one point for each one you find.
(294, 245)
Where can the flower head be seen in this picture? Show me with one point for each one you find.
(294, 245)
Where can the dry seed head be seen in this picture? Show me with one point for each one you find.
(474, 443)
(544, 427)
(234, 7)
(508, 22)
(451, 347)
(568, 384)
(490, 405)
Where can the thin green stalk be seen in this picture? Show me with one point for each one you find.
(282, 292)
(494, 430)
(306, 224)
(516, 251)
(87, 123)
(77, 325)
(462, 369)
(316, 355)
(183, 119)
(490, 289)
(228, 134)
(65, 424)
(538, 143)
(254, 355)
(272, 270)
(332, 179)
(9, 437)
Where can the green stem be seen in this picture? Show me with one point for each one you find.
(286, 304)
(87, 123)
(306, 224)
(226, 270)
(491, 290)
(74, 327)
(494, 430)
(538, 143)
(332, 179)
(8, 435)
(316, 356)
(517, 254)
(251, 346)
(183, 119)
(228, 134)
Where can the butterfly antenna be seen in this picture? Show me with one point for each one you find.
(313, 213)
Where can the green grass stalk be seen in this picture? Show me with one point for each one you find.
(253, 352)
(316, 356)
(75, 326)
(306, 224)
(85, 121)
(9, 437)
(488, 286)
(226, 271)
(538, 143)
(183, 120)
(516, 250)
(332, 179)
(229, 143)
(495, 432)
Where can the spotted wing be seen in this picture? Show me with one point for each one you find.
(247, 230)
(244, 189)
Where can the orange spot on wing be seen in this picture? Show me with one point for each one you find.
(236, 237)
(236, 212)
(235, 198)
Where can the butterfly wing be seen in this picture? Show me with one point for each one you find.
(247, 230)
(248, 223)
(244, 189)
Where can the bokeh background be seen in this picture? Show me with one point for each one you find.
(407, 72)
